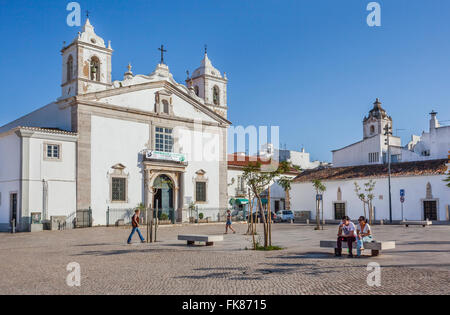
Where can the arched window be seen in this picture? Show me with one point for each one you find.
(339, 194)
(165, 104)
(216, 95)
(429, 191)
(95, 69)
(69, 68)
(372, 129)
(197, 90)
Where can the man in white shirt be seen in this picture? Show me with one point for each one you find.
(347, 232)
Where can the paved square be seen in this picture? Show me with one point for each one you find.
(36, 263)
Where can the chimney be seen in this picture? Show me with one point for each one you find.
(433, 121)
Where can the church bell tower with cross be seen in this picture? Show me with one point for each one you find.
(210, 85)
(86, 63)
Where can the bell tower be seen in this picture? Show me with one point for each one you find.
(210, 85)
(376, 121)
(86, 64)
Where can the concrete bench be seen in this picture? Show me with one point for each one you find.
(422, 223)
(375, 247)
(208, 239)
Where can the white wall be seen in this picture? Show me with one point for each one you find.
(115, 141)
(9, 172)
(303, 197)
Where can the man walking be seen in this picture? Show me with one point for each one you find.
(135, 224)
(347, 232)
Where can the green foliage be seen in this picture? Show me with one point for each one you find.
(319, 186)
(164, 217)
(447, 180)
(285, 182)
(200, 216)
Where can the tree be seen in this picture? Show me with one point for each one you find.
(320, 189)
(285, 182)
(367, 198)
(258, 181)
(447, 180)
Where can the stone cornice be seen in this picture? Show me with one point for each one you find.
(139, 112)
(164, 84)
(81, 43)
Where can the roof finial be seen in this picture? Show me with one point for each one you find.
(206, 49)
(162, 50)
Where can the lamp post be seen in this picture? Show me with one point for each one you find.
(388, 133)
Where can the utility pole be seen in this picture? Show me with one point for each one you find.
(388, 133)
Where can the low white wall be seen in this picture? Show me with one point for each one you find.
(303, 197)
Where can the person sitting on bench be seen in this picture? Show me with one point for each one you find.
(364, 234)
(347, 232)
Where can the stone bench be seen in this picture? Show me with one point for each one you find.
(422, 223)
(375, 247)
(208, 239)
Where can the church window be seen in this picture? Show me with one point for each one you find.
(372, 129)
(197, 90)
(118, 189)
(95, 69)
(216, 95)
(200, 191)
(165, 104)
(52, 151)
(163, 139)
(70, 68)
(374, 157)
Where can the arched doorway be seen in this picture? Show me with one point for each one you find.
(163, 198)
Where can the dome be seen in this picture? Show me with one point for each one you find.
(207, 68)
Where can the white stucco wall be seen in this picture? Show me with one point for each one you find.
(115, 141)
(303, 197)
(9, 172)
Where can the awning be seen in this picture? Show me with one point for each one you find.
(238, 201)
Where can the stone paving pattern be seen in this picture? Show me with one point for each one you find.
(36, 263)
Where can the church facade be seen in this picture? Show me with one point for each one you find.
(104, 144)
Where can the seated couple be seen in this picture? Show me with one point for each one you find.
(349, 232)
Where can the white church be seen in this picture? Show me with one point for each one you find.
(107, 144)
(418, 170)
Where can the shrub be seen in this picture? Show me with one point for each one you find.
(200, 216)
(164, 217)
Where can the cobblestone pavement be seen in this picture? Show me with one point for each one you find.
(36, 263)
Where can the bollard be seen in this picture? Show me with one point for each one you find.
(307, 221)
(13, 226)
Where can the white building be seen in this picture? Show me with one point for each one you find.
(427, 195)
(105, 144)
(418, 168)
(238, 190)
(301, 158)
(373, 148)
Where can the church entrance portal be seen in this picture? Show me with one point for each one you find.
(163, 198)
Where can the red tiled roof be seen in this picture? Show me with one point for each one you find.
(430, 167)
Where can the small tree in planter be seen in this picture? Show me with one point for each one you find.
(258, 181)
(320, 188)
(367, 198)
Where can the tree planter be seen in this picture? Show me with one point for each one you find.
(164, 222)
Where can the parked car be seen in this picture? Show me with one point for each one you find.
(285, 216)
(274, 216)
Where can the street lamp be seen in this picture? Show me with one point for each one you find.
(388, 133)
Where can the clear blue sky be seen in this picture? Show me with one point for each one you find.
(312, 67)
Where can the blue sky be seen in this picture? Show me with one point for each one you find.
(312, 67)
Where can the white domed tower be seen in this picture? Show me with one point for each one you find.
(375, 123)
(86, 64)
(211, 86)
